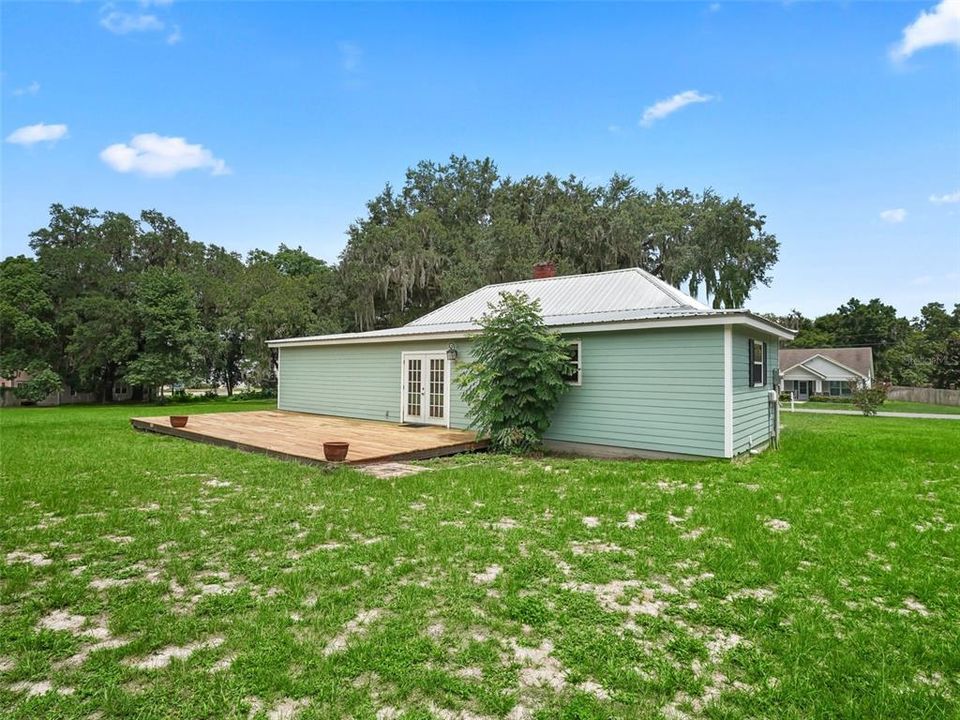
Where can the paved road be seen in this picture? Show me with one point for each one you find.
(922, 416)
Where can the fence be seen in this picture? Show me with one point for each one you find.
(933, 396)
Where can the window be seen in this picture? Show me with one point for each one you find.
(574, 373)
(839, 388)
(757, 353)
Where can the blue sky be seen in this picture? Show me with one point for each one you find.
(841, 122)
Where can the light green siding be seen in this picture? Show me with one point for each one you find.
(654, 390)
(658, 390)
(359, 381)
(753, 417)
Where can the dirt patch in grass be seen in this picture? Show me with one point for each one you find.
(35, 559)
(163, 657)
(596, 546)
(42, 687)
(355, 627)
(632, 519)
(62, 620)
(488, 575)
(386, 471)
(777, 525)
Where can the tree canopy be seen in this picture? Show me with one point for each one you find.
(459, 225)
(918, 352)
(113, 298)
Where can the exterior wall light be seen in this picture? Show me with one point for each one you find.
(452, 353)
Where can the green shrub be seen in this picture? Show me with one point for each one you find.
(261, 394)
(869, 399)
(517, 375)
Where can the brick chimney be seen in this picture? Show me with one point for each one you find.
(545, 269)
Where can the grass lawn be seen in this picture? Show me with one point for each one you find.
(151, 577)
(888, 406)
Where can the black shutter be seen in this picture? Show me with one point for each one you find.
(749, 362)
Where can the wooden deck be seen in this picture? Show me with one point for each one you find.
(300, 436)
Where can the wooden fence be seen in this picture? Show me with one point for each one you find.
(933, 396)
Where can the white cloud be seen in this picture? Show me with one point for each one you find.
(31, 89)
(662, 108)
(41, 132)
(948, 198)
(351, 56)
(121, 23)
(159, 156)
(714, 7)
(896, 215)
(940, 26)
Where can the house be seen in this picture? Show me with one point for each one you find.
(825, 371)
(656, 373)
(67, 395)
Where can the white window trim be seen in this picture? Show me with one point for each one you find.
(448, 375)
(762, 363)
(579, 343)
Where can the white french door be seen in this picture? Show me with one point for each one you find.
(425, 390)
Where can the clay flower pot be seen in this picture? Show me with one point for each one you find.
(335, 451)
(178, 420)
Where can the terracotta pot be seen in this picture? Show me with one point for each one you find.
(178, 420)
(335, 451)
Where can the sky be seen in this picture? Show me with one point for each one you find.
(255, 124)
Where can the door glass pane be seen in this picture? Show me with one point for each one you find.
(414, 386)
(437, 380)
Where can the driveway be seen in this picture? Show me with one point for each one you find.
(922, 416)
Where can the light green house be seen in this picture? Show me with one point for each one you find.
(659, 373)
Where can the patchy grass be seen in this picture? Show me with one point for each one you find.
(146, 576)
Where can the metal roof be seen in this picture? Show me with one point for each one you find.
(566, 300)
(598, 294)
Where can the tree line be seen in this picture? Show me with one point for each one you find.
(108, 298)
(918, 352)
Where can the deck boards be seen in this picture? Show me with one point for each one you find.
(300, 436)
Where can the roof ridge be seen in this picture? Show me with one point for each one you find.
(558, 277)
(675, 294)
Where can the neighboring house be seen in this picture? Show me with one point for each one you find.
(657, 373)
(825, 371)
(65, 396)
